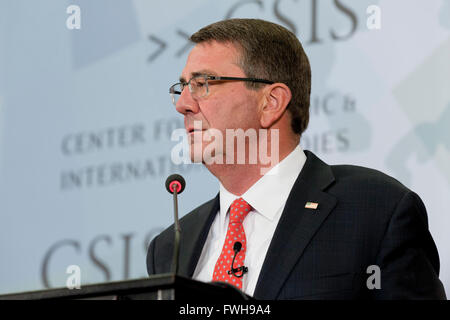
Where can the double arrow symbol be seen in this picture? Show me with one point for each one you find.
(162, 45)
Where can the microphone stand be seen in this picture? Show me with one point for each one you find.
(176, 249)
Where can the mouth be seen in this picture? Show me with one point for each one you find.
(192, 130)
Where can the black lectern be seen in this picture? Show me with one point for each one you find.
(157, 287)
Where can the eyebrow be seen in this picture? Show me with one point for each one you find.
(200, 73)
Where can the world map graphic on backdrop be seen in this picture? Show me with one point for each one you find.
(429, 139)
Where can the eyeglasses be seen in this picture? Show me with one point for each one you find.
(199, 88)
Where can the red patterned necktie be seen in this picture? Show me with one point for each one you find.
(238, 211)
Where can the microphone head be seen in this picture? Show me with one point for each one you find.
(175, 181)
(237, 246)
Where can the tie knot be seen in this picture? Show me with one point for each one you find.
(239, 210)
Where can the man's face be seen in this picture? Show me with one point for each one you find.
(229, 104)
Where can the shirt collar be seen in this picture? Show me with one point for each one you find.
(269, 193)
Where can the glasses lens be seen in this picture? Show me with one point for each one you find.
(198, 86)
(175, 92)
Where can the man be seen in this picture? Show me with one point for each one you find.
(300, 229)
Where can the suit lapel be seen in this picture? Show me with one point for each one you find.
(191, 244)
(297, 226)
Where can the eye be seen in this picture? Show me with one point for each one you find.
(200, 82)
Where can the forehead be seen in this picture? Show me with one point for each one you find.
(212, 58)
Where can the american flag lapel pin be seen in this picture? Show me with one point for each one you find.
(311, 205)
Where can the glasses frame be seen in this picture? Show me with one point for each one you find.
(183, 85)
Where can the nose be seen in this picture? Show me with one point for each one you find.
(186, 103)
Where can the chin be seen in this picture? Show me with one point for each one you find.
(196, 158)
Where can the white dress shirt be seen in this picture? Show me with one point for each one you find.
(267, 197)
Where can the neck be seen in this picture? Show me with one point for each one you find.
(238, 178)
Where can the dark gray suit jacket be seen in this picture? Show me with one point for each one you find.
(364, 218)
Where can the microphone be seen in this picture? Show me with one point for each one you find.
(175, 184)
(175, 180)
(236, 248)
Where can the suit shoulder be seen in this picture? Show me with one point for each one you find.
(192, 216)
(373, 196)
(189, 219)
(366, 178)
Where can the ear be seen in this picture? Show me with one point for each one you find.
(276, 98)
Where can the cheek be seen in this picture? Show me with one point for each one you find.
(218, 113)
(245, 112)
(235, 111)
